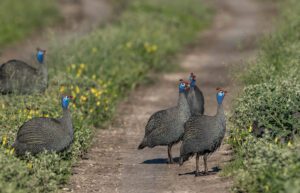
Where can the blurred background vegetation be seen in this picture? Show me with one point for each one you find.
(20, 18)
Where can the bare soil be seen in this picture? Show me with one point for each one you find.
(113, 164)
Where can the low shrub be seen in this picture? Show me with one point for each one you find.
(270, 102)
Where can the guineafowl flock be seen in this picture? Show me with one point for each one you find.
(200, 134)
(37, 134)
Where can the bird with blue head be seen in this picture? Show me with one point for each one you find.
(43, 133)
(40, 55)
(203, 134)
(220, 95)
(165, 127)
(65, 100)
(183, 86)
(18, 77)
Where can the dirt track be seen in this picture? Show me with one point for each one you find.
(115, 165)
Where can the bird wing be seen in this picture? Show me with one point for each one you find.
(157, 121)
(199, 127)
(35, 130)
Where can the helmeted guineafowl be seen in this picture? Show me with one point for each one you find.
(165, 127)
(203, 134)
(18, 77)
(39, 134)
(195, 97)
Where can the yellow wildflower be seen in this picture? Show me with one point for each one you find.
(77, 90)
(82, 66)
(276, 139)
(4, 140)
(83, 98)
(94, 50)
(73, 94)
(106, 108)
(74, 105)
(250, 129)
(62, 89)
(153, 48)
(93, 90)
(91, 110)
(94, 77)
(73, 66)
(46, 115)
(289, 144)
(29, 165)
(98, 103)
(98, 94)
(79, 72)
(11, 152)
(31, 112)
(29, 117)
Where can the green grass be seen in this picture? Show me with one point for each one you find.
(98, 70)
(272, 98)
(20, 18)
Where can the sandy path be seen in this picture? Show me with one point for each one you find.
(115, 165)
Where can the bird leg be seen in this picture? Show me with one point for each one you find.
(197, 165)
(170, 154)
(205, 164)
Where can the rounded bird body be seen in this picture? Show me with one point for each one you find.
(165, 127)
(39, 134)
(203, 134)
(18, 77)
